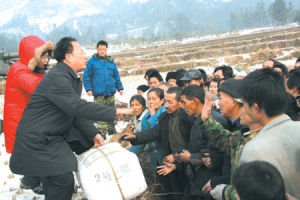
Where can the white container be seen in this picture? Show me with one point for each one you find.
(110, 172)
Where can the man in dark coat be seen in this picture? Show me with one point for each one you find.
(197, 172)
(41, 148)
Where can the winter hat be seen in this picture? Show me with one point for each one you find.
(192, 74)
(231, 87)
(171, 75)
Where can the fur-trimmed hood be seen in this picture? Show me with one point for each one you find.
(31, 49)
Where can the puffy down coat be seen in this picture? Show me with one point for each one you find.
(20, 84)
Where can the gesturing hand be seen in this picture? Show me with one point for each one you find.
(166, 169)
(207, 187)
(185, 156)
(127, 137)
(169, 159)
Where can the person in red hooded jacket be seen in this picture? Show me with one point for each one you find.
(22, 79)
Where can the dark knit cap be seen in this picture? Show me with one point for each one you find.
(171, 75)
(231, 87)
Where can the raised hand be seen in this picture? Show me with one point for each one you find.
(206, 110)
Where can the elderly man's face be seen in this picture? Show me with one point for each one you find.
(77, 59)
(226, 104)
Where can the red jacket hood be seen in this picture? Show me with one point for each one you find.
(27, 48)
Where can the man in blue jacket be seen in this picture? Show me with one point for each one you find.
(101, 79)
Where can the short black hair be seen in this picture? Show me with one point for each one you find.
(171, 75)
(102, 43)
(226, 71)
(194, 91)
(282, 67)
(293, 79)
(298, 60)
(143, 88)
(176, 90)
(259, 180)
(149, 72)
(156, 75)
(217, 80)
(63, 47)
(138, 98)
(203, 74)
(266, 88)
(159, 92)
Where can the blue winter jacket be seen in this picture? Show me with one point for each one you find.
(102, 77)
(157, 151)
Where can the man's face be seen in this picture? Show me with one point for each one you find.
(297, 65)
(102, 50)
(250, 112)
(171, 103)
(189, 106)
(77, 59)
(226, 104)
(172, 82)
(213, 88)
(154, 82)
(268, 64)
(245, 119)
(219, 74)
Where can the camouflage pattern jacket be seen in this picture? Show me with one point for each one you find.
(231, 143)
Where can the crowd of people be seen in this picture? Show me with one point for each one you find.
(204, 137)
(224, 136)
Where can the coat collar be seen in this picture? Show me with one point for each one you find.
(68, 69)
(275, 122)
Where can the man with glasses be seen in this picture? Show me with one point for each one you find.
(54, 117)
(101, 79)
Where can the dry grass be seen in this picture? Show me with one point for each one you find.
(2, 87)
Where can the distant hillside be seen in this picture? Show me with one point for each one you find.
(123, 20)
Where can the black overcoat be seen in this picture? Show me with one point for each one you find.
(55, 108)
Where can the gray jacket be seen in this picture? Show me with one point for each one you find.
(279, 144)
